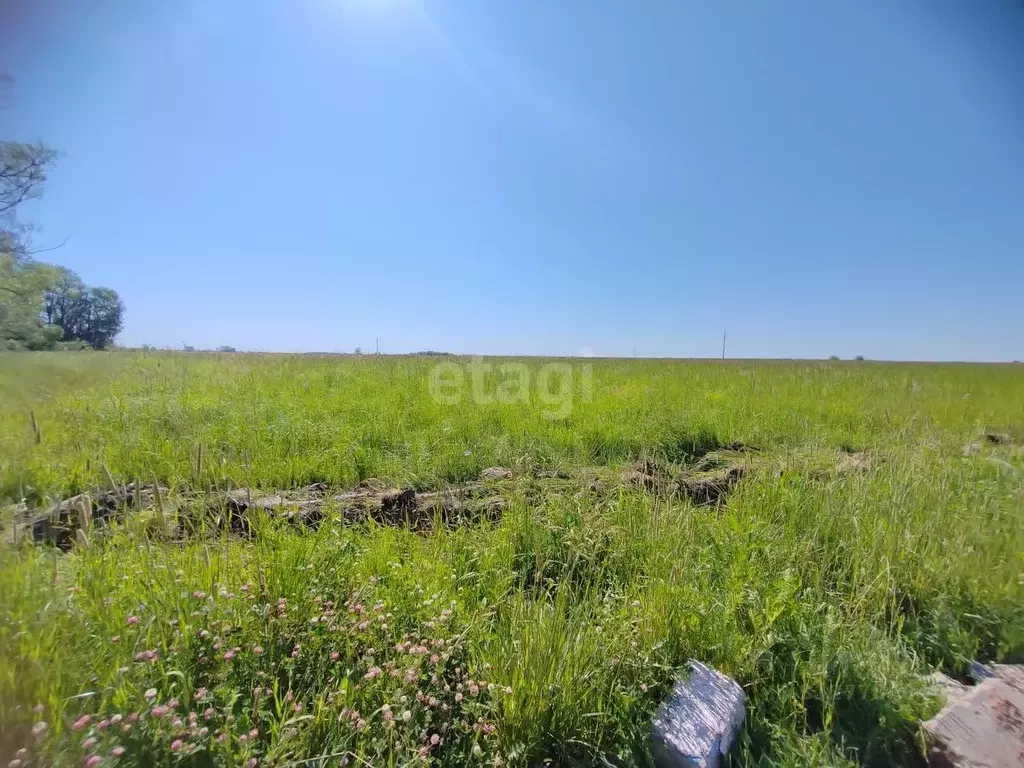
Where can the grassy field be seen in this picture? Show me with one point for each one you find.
(549, 635)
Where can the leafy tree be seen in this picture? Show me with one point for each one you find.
(23, 280)
(90, 315)
(42, 306)
(22, 284)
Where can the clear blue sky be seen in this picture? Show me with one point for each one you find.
(539, 176)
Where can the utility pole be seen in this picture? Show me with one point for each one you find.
(723, 345)
(378, 346)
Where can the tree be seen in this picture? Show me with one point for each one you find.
(42, 306)
(90, 315)
(22, 284)
(23, 280)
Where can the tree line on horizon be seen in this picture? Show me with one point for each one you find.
(43, 306)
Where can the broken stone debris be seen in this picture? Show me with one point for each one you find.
(984, 726)
(60, 523)
(696, 725)
(702, 488)
(391, 506)
(496, 473)
(850, 463)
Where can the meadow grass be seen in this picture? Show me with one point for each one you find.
(550, 635)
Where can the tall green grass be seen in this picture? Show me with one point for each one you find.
(828, 597)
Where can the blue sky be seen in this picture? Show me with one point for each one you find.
(537, 177)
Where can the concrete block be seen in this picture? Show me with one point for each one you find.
(984, 726)
(697, 723)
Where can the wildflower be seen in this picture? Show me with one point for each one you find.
(208, 714)
(477, 751)
(103, 724)
(177, 724)
(81, 722)
(222, 737)
(254, 733)
(115, 639)
(132, 621)
(229, 655)
(89, 743)
(93, 760)
(204, 732)
(252, 762)
(434, 659)
(199, 594)
(117, 752)
(201, 694)
(474, 690)
(116, 719)
(435, 740)
(360, 724)
(159, 711)
(508, 690)
(406, 716)
(335, 656)
(39, 728)
(150, 694)
(176, 745)
(174, 703)
(458, 698)
(258, 650)
(373, 673)
(133, 717)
